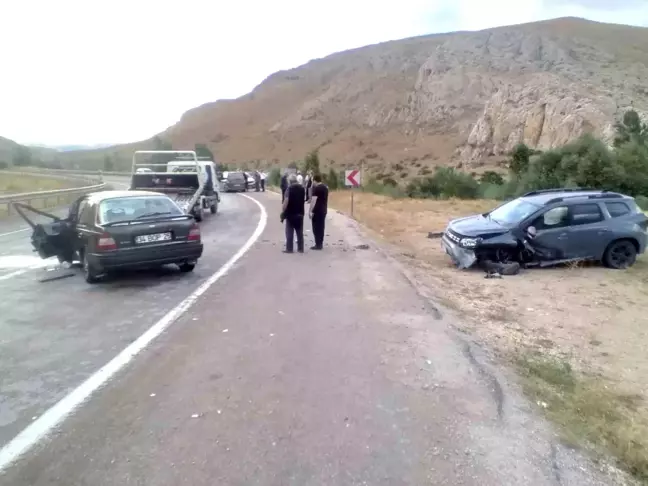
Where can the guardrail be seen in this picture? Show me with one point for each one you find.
(48, 199)
(80, 172)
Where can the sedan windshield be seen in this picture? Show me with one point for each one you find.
(122, 209)
(513, 212)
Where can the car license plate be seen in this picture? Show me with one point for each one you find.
(153, 238)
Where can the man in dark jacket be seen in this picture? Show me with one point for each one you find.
(283, 186)
(293, 214)
(318, 210)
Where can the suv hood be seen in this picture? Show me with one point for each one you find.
(477, 225)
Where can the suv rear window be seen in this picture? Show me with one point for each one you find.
(617, 209)
(233, 176)
(128, 208)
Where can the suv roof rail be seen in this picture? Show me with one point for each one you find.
(603, 195)
(562, 189)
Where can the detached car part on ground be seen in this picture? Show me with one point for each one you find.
(550, 227)
(118, 230)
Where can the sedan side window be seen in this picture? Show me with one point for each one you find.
(554, 218)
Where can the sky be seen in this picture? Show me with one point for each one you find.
(116, 71)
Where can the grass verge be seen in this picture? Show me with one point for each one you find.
(581, 329)
(17, 184)
(589, 411)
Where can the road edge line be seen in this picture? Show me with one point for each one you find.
(55, 415)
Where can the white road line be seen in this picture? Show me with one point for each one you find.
(54, 416)
(14, 274)
(14, 232)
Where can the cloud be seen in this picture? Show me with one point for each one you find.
(83, 72)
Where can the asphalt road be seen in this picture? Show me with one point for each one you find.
(325, 368)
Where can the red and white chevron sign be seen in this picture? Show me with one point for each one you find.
(352, 178)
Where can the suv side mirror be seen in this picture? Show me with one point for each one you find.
(532, 232)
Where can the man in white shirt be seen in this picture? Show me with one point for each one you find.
(300, 178)
(263, 179)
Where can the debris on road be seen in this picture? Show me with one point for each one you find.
(225, 330)
(362, 247)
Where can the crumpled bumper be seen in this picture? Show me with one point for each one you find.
(462, 257)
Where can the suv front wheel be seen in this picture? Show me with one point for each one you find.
(620, 254)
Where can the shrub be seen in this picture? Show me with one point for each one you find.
(274, 177)
(491, 177)
(520, 157)
(332, 179)
(444, 183)
(642, 202)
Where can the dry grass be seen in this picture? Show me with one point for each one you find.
(588, 316)
(16, 184)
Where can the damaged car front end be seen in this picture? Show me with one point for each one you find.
(476, 250)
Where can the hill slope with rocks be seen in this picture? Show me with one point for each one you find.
(460, 99)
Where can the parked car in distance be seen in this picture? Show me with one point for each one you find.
(552, 226)
(130, 230)
(234, 181)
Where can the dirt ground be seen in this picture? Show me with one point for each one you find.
(592, 317)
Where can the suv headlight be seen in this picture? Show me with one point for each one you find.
(470, 242)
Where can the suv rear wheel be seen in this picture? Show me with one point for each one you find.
(620, 254)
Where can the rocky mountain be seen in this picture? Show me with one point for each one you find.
(462, 98)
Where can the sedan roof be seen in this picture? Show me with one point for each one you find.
(103, 195)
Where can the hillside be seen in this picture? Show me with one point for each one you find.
(461, 98)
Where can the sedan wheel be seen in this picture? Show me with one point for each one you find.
(620, 254)
(187, 267)
(89, 273)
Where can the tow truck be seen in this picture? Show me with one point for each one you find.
(190, 182)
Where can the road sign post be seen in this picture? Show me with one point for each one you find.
(352, 179)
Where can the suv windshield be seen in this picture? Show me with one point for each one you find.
(513, 212)
(122, 209)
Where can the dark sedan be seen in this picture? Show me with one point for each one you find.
(130, 230)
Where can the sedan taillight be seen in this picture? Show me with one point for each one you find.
(194, 233)
(106, 242)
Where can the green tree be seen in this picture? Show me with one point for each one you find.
(312, 162)
(632, 163)
(333, 179)
(22, 156)
(274, 177)
(203, 151)
(108, 164)
(520, 157)
(630, 128)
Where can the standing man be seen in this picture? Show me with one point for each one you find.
(318, 209)
(284, 186)
(293, 214)
(308, 185)
(257, 181)
(263, 179)
(300, 178)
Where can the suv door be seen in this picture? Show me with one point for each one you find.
(552, 234)
(588, 231)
